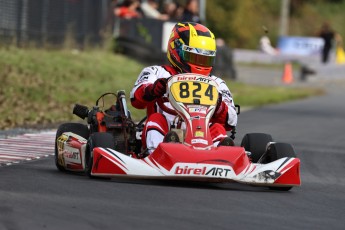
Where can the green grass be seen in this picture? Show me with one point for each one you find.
(271, 66)
(256, 96)
(41, 87)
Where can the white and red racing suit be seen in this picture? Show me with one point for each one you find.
(158, 122)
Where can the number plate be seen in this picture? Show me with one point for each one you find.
(189, 91)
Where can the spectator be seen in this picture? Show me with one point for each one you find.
(173, 10)
(191, 12)
(224, 65)
(327, 34)
(150, 9)
(128, 9)
(265, 43)
(111, 12)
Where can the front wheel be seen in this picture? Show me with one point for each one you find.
(276, 151)
(256, 144)
(102, 140)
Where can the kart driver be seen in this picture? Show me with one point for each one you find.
(151, 85)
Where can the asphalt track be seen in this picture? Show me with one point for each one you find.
(34, 195)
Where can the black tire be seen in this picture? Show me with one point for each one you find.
(277, 151)
(77, 128)
(104, 140)
(256, 143)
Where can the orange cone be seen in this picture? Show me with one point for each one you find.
(287, 75)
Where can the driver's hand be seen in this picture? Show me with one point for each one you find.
(159, 87)
(156, 90)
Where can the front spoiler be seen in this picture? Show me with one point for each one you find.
(172, 162)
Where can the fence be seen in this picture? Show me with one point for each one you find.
(51, 22)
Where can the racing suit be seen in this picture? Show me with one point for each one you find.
(158, 122)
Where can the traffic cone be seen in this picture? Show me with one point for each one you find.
(287, 75)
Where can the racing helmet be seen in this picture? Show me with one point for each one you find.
(191, 48)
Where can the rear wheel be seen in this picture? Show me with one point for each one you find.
(277, 151)
(77, 128)
(103, 140)
(256, 143)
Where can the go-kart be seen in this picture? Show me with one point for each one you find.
(110, 146)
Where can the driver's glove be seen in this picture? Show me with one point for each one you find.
(220, 109)
(155, 90)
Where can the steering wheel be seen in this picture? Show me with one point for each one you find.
(160, 102)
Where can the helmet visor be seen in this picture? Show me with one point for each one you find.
(197, 56)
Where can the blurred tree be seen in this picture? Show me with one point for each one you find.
(240, 23)
(219, 18)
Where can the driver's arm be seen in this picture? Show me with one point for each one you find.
(226, 113)
(150, 85)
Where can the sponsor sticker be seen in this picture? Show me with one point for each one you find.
(199, 134)
(226, 93)
(200, 141)
(71, 155)
(202, 170)
(142, 78)
(194, 78)
(197, 110)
